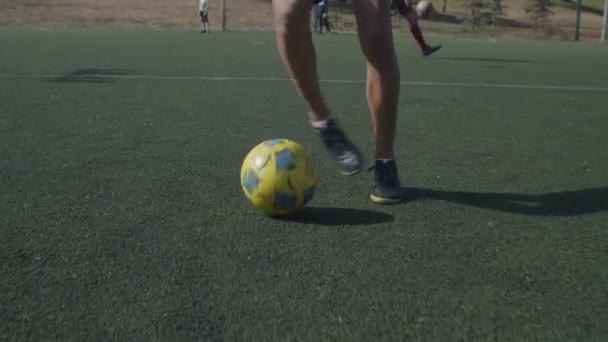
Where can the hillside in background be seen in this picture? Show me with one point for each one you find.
(257, 15)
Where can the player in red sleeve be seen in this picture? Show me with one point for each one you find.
(404, 9)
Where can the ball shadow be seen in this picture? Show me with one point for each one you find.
(338, 216)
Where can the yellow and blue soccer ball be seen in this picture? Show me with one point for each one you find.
(279, 177)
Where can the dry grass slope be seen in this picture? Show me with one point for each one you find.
(131, 13)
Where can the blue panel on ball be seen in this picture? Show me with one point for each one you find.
(308, 193)
(284, 160)
(250, 180)
(284, 200)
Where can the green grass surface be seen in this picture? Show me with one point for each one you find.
(122, 217)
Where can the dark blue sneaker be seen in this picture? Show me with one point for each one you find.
(387, 187)
(344, 152)
(429, 50)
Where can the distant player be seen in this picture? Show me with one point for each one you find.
(404, 9)
(316, 10)
(297, 51)
(321, 18)
(203, 7)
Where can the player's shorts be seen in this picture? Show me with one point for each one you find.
(401, 6)
(323, 10)
(203, 15)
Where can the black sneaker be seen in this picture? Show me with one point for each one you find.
(344, 152)
(429, 50)
(387, 187)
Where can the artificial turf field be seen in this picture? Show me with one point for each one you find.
(122, 216)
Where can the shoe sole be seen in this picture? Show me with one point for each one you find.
(383, 200)
(430, 53)
(358, 167)
(350, 173)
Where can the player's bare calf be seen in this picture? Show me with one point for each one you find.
(294, 40)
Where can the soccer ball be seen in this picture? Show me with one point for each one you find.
(279, 177)
(424, 8)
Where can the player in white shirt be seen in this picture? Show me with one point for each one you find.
(203, 7)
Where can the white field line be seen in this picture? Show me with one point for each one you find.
(342, 81)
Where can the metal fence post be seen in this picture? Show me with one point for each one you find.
(223, 20)
(578, 20)
(605, 20)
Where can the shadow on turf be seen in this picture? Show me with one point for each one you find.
(566, 203)
(338, 216)
(476, 59)
(91, 75)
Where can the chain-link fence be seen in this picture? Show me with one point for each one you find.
(539, 18)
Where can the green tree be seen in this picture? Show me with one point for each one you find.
(477, 10)
(539, 10)
(484, 12)
(498, 7)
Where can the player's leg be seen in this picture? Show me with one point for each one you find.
(315, 16)
(202, 16)
(317, 10)
(294, 41)
(376, 39)
(326, 20)
(320, 18)
(412, 18)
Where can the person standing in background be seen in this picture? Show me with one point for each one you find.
(320, 8)
(203, 7)
(324, 6)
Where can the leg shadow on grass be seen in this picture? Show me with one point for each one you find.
(92, 75)
(338, 216)
(478, 59)
(565, 203)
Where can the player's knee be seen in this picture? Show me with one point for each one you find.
(378, 48)
(375, 34)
